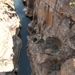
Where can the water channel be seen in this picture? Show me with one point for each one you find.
(24, 65)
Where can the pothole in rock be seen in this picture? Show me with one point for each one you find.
(34, 39)
(31, 31)
(53, 43)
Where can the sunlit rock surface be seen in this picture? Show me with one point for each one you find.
(10, 43)
(51, 40)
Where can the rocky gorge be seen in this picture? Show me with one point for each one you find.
(51, 39)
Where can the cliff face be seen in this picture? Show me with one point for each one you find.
(51, 40)
(10, 43)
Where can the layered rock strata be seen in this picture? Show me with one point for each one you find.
(10, 43)
(51, 40)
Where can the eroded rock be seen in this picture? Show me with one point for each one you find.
(54, 21)
(10, 43)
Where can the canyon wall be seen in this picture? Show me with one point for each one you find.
(10, 43)
(51, 39)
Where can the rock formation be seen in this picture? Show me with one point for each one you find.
(10, 43)
(51, 40)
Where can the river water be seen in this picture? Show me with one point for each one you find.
(24, 65)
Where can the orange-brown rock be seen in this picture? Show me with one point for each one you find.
(52, 36)
(68, 67)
